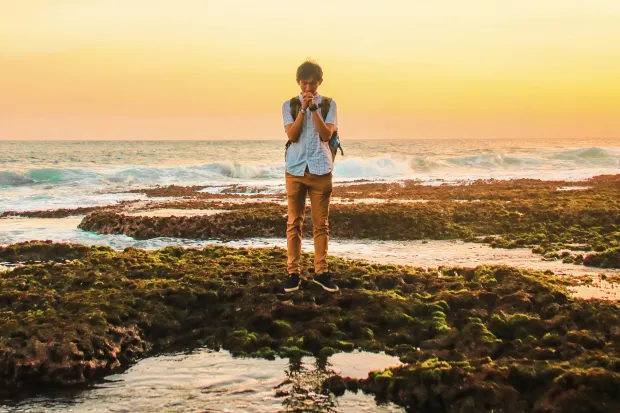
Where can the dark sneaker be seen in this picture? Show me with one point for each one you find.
(325, 281)
(292, 284)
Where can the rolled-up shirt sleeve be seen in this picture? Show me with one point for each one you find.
(286, 113)
(332, 115)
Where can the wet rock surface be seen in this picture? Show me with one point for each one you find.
(42, 251)
(574, 221)
(573, 227)
(481, 189)
(66, 212)
(475, 339)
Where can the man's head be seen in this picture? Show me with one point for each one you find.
(309, 76)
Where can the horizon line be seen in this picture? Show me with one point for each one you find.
(282, 139)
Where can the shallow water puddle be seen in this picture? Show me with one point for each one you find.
(597, 289)
(434, 254)
(7, 266)
(205, 380)
(573, 188)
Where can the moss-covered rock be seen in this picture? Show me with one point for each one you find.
(71, 323)
(559, 225)
(610, 258)
(45, 251)
(486, 386)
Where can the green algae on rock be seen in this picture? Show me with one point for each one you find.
(45, 251)
(483, 189)
(575, 226)
(480, 189)
(267, 221)
(610, 258)
(70, 324)
(547, 225)
(192, 191)
(486, 386)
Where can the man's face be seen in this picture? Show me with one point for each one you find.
(309, 85)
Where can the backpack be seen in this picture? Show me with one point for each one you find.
(334, 141)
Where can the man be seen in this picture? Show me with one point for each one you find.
(309, 167)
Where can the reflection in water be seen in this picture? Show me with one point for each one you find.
(213, 381)
(303, 389)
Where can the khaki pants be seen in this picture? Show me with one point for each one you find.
(319, 187)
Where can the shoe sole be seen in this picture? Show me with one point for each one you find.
(290, 290)
(331, 290)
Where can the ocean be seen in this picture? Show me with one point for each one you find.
(37, 175)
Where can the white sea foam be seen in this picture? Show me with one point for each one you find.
(350, 167)
(55, 177)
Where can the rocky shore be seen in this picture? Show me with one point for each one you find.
(67, 212)
(573, 221)
(474, 339)
(482, 189)
(557, 228)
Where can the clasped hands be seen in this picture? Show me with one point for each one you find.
(307, 100)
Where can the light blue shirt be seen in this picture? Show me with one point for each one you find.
(309, 150)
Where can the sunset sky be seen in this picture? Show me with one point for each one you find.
(202, 69)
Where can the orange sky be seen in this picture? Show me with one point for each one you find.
(202, 69)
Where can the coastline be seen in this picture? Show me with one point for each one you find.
(73, 314)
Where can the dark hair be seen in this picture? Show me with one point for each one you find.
(309, 69)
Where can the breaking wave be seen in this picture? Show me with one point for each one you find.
(386, 166)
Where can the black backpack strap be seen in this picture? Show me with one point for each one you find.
(295, 106)
(325, 105)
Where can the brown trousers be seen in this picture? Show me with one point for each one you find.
(319, 187)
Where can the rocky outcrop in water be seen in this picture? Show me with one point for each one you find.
(558, 228)
(268, 221)
(66, 212)
(32, 251)
(481, 189)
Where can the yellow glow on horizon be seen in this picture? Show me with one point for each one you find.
(398, 69)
